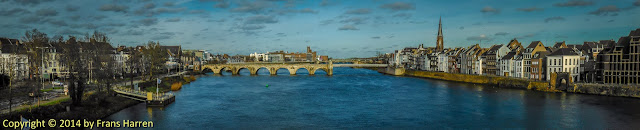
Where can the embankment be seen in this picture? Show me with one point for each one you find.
(171, 83)
(94, 106)
(509, 82)
(607, 90)
(504, 82)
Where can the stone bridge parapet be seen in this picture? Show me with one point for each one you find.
(272, 67)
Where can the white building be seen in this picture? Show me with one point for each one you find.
(505, 64)
(275, 58)
(18, 63)
(518, 67)
(443, 60)
(402, 57)
(121, 57)
(477, 69)
(564, 60)
(13, 59)
(259, 56)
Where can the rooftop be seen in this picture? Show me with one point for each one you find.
(563, 51)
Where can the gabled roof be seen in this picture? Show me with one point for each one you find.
(635, 32)
(492, 50)
(563, 51)
(172, 50)
(513, 44)
(518, 57)
(548, 49)
(540, 54)
(11, 46)
(589, 45)
(509, 55)
(579, 47)
(560, 45)
(534, 44)
(495, 47)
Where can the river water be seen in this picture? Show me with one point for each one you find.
(361, 98)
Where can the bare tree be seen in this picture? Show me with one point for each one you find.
(35, 39)
(134, 63)
(57, 39)
(100, 37)
(106, 67)
(154, 56)
(72, 57)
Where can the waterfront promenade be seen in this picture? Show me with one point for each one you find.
(62, 98)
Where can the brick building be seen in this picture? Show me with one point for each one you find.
(620, 64)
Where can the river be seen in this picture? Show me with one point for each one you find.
(362, 98)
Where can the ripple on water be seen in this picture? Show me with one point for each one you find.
(361, 98)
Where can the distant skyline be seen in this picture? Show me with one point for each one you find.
(340, 29)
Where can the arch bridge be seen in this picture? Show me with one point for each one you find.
(272, 67)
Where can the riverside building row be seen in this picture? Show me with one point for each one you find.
(14, 58)
(282, 56)
(605, 61)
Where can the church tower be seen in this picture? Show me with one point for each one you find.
(440, 44)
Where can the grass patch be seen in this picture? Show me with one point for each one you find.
(53, 102)
(58, 101)
(153, 89)
(46, 90)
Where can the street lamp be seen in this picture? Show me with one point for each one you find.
(42, 64)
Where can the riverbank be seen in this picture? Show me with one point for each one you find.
(167, 84)
(95, 104)
(509, 82)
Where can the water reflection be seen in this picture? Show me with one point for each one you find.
(360, 98)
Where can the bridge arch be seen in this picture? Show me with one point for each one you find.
(303, 69)
(240, 69)
(227, 68)
(271, 68)
(280, 69)
(259, 69)
(563, 80)
(207, 70)
(321, 70)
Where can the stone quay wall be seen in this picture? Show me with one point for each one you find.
(509, 82)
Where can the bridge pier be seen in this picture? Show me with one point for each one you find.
(292, 71)
(253, 71)
(235, 71)
(273, 68)
(312, 71)
(216, 71)
(273, 71)
(330, 68)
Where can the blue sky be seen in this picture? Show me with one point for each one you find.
(340, 29)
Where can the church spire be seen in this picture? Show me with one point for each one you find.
(439, 42)
(440, 27)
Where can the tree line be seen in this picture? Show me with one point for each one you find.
(89, 59)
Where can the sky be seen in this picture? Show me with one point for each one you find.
(338, 28)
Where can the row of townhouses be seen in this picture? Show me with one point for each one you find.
(282, 56)
(14, 58)
(605, 61)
